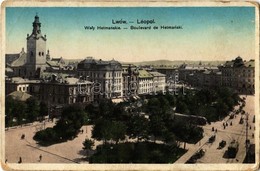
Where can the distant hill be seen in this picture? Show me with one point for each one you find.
(176, 63)
(164, 63)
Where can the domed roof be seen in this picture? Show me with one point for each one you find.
(238, 61)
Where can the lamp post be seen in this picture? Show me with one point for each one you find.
(247, 142)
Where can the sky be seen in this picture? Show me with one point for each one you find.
(208, 33)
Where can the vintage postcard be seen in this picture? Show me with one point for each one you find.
(150, 85)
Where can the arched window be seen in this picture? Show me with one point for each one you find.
(39, 53)
(42, 53)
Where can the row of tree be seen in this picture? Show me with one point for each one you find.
(214, 104)
(73, 117)
(19, 112)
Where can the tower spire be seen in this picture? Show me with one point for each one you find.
(36, 25)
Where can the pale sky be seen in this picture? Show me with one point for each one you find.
(208, 33)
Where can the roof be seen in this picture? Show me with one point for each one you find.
(18, 95)
(58, 60)
(21, 80)
(166, 68)
(52, 63)
(18, 59)
(238, 62)
(206, 72)
(8, 69)
(93, 64)
(9, 58)
(71, 80)
(157, 74)
(47, 75)
(250, 63)
(144, 74)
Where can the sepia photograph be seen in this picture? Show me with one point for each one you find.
(129, 86)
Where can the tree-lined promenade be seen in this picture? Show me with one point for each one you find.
(141, 130)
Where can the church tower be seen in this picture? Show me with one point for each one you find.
(36, 50)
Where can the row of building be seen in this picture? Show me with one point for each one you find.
(237, 74)
(59, 82)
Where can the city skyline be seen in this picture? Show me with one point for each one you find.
(210, 33)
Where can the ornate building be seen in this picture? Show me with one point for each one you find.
(130, 80)
(239, 75)
(106, 75)
(32, 63)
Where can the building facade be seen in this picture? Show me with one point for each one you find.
(106, 75)
(146, 85)
(159, 81)
(130, 80)
(239, 75)
(55, 91)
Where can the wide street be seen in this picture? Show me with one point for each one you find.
(236, 131)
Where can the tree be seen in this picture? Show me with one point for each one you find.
(43, 109)
(72, 119)
(88, 145)
(138, 127)
(157, 126)
(118, 131)
(32, 109)
(102, 130)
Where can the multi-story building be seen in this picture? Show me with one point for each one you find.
(106, 75)
(56, 91)
(206, 78)
(20, 84)
(66, 91)
(239, 75)
(159, 81)
(146, 85)
(130, 80)
(186, 70)
(171, 73)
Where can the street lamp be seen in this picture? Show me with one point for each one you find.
(247, 141)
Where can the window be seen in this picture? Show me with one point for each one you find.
(39, 53)
(42, 53)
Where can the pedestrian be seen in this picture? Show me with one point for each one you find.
(40, 157)
(216, 130)
(23, 136)
(224, 126)
(250, 127)
(231, 123)
(20, 160)
(212, 128)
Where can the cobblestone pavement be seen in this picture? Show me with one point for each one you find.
(28, 149)
(235, 132)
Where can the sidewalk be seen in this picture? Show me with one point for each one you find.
(193, 149)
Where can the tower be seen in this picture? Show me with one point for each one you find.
(36, 50)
